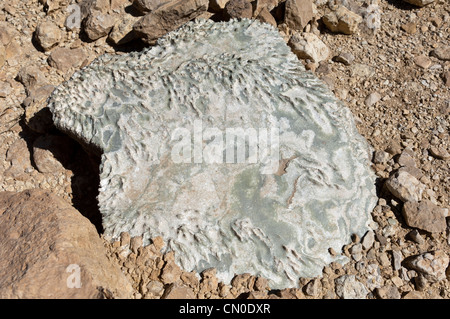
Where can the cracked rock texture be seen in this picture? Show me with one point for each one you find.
(275, 219)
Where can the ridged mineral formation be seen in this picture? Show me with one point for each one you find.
(163, 120)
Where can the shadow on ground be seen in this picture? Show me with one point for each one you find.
(84, 166)
(402, 5)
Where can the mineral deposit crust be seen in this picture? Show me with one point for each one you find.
(163, 174)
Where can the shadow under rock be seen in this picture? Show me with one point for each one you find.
(135, 45)
(379, 183)
(402, 5)
(394, 204)
(133, 11)
(36, 44)
(85, 180)
(85, 184)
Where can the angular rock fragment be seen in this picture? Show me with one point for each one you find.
(170, 273)
(394, 148)
(269, 5)
(409, 27)
(64, 59)
(356, 252)
(439, 152)
(49, 250)
(261, 284)
(442, 53)
(415, 172)
(135, 243)
(48, 35)
(397, 258)
(424, 215)
(313, 288)
(51, 153)
(342, 20)
(298, 14)
(432, 265)
(388, 292)
(368, 240)
(374, 279)
(406, 158)
(405, 187)
(236, 9)
(290, 293)
(146, 6)
(178, 291)
(161, 118)
(155, 288)
(123, 32)
(19, 157)
(5, 88)
(414, 295)
(98, 24)
(348, 287)
(422, 61)
(265, 16)
(372, 99)
(168, 18)
(309, 46)
(345, 58)
(380, 157)
(31, 77)
(7, 33)
(209, 283)
(88, 6)
(242, 283)
(14, 53)
(257, 295)
(37, 115)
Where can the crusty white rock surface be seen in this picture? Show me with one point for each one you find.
(225, 215)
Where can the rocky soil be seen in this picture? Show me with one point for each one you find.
(388, 60)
